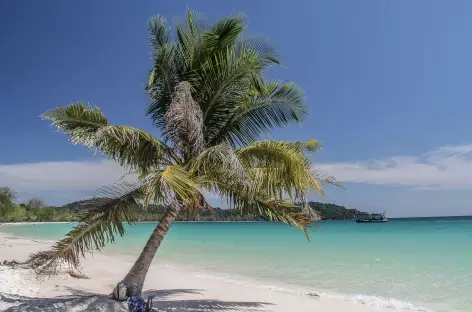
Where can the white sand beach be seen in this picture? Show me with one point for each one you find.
(175, 290)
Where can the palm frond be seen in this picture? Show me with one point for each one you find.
(127, 145)
(279, 211)
(256, 179)
(309, 146)
(78, 121)
(133, 147)
(187, 38)
(222, 35)
(219, 163)
(266, 51)
(221, 83)
(174, 183)
(260, 111)
(162, 80)
(279, 169)
(98, 226)
(323, 178)
(199, 41)
(250, 202)
(159, 33)
(312, 145)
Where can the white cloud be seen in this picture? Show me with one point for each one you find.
(61, 180)
(58, 182)
(448, 167)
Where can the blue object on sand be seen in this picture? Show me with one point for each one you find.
(136, 304)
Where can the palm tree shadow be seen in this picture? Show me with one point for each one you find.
(77, 302)
(166, 293)
(85, 301)
(206, 305)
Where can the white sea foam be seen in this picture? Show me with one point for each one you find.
(380, 302)
(373, 301)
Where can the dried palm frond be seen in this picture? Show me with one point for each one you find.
(184, 122)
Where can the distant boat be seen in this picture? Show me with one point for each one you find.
(369, 218)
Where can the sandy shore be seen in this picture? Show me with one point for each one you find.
(175, 290)
(32, 223)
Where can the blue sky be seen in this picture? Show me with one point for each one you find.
(387, 82)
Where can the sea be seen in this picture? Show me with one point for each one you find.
(418, 264)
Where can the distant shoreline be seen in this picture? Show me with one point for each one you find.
(221, 221)
(65, 222)
(34, 222)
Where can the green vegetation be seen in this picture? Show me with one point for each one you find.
(334, 212)
(325, 211)
(33, 210)
(211, 102)
(155, 213)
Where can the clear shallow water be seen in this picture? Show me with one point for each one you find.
(406, 263)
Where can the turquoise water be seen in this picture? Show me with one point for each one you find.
(406, 263)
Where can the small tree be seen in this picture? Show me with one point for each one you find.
(31, 215)
(7, 195)
(14, 213)
(35, 203)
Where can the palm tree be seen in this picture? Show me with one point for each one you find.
(211, 103)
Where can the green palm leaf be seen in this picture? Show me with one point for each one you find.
(133, 147)
(219, 164)
(276, 105)
(97, 227)
(78, 121)
(159, 34)
(127, 145)
(172, 183)
(279, 168)
(262, 46)
(249, 202)
(257, 178)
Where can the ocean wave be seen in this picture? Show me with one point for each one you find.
(380, 302)
(373, 301)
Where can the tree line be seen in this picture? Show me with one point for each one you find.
(334, 212)
(36, 210)
(32, 210)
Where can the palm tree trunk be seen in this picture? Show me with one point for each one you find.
(134, 280)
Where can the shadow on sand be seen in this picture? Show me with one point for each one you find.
(85, 301)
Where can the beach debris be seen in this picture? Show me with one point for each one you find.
(77, 275)
(12, 263)
(313, 294)
(149, 304)
(37, 260)
(119, 293)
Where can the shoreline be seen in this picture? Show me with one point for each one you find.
(35, 223)
(66, 222)
(105, 270)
